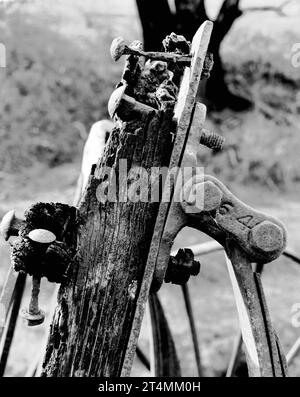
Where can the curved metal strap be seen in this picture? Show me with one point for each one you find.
(263, 356)
(164, 360)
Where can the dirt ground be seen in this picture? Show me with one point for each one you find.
(263, 169)
(211, 292)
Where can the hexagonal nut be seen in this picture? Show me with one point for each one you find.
(204, 197)
(267, 237)
(32, 319)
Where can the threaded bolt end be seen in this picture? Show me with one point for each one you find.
(211, 140)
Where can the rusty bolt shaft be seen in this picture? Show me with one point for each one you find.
(34, 301)
(211, 139)
(34, 315)
(119, 48)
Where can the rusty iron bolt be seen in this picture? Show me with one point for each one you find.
(267, 237)
(34, 315)
(42, 236)
(208, 66)
(211, 139)
(41, 239)
(181, 267)
(202, 197)
(207, 138)
(119, 48)
(10, 225)
(126, 107)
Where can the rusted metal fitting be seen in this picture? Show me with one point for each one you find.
(126, 107)
(266, 236)
(208, 66)
(46, 242)
(200, 197)
(119, 48)
(181, 267)
(211, 139)
(42, 239)
(261, 236)
(33, 315)
(10, 225)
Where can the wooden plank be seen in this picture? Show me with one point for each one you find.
(97, 303)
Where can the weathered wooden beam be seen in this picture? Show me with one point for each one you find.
(92, 322)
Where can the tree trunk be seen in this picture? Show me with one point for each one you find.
(190, 14)
(92, 322)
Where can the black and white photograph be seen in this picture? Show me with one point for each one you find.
(149, 193)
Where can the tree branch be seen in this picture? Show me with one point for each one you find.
(278, 9)
(157, 22)
(190, 14)
(228, 13)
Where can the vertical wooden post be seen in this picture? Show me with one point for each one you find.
(92, 322)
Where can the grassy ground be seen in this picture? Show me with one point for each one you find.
(57, 82)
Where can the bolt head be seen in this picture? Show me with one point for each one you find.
(181, 267)
(267, 237)
(42, 236)
(195, 268)
(205, 197)
(32, 319)
(6, 224)
(115, 100)
(117, 48)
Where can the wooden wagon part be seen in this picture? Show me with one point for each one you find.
(106, 284)
(183, 114)
(247, 236)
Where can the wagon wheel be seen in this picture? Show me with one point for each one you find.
(234, 361)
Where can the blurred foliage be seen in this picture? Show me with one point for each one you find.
(59, 77)
(51, 91)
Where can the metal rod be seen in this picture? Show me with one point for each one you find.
(11, 326)
(142, 357)
(235, 355)
(236, 352)
(213, 246)
(293, 351)
(203, 248)
(189, 309)
(292, 256)
(6, 297)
